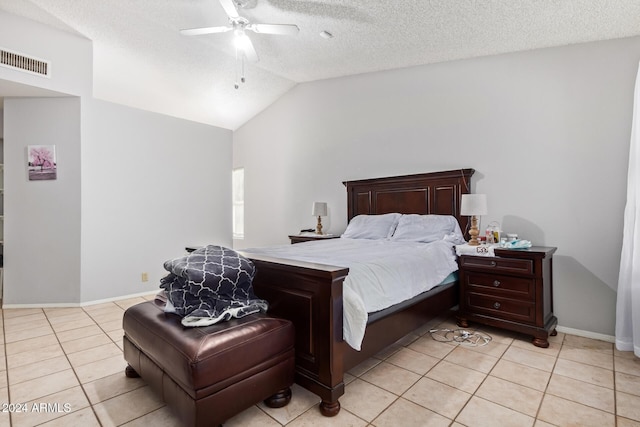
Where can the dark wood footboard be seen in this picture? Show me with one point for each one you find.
(310, 295)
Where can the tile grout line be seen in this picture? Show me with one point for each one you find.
(397, 397)
(544, 393)
(441, 359)
(114, 397)
(453, 347)
(74, 371)
(4, 339)
(480, 385)
(122, 351)
(615, 393)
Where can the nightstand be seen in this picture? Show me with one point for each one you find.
(299, 238)
(513, 290)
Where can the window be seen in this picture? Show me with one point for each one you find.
(237, 183)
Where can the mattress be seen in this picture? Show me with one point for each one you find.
(382, 273)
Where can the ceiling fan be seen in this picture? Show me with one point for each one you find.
(239, 26)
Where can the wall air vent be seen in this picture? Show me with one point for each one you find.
(18, 61)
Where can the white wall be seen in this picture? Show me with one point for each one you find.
(133, 187)
(547, 132)
(70, 55)
(42, 218)
(151, 185)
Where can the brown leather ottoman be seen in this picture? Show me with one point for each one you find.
(209, 374)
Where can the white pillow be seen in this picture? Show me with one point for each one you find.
(372, 226)
(428, 228)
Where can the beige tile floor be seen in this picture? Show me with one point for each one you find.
(64, 367)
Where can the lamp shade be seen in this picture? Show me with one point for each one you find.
(473, 204)
(319, 209)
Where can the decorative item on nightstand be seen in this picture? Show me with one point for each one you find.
(473, 205)
(493, 233)
(319, 210)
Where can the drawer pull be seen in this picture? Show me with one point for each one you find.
(496, 283)
(492, 263)
(496, 305)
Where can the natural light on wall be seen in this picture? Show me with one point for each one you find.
(237, 181)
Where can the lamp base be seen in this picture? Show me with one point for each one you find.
(319, 226)
(473, 232)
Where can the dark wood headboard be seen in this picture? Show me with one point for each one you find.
(426, 193)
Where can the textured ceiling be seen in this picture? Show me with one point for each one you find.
(140, 58)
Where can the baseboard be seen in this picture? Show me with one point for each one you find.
(47, 305)
(586, 334)
(82, 304)
(102, 301)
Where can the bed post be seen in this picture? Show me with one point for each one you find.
(310, 295)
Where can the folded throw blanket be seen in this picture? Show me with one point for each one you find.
(210, 285)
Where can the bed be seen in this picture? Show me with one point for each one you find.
(311, 294)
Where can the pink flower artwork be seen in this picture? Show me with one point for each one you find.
(42, 162)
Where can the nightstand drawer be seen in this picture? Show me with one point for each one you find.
(511, 286)
(505, 265)
(505, 308)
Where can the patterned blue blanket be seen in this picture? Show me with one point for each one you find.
(210, 285)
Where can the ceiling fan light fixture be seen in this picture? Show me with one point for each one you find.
(241, 41)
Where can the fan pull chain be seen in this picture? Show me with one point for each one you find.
(239, 67)
(236, 82)
(242, 75)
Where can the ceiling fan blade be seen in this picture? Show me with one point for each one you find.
(250, 51)
(205, 30)
(280, 29)
(230, 8)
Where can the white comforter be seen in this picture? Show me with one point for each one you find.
(381, 272)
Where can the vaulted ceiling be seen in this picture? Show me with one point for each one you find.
(142, 60)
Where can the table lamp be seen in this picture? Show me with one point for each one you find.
(473, 205)
(319, 210)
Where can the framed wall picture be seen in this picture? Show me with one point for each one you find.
(42, 162)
